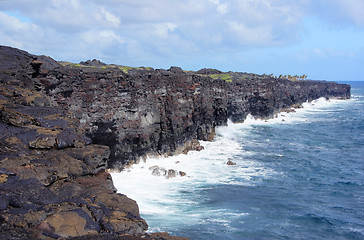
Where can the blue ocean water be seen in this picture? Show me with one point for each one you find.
(298, 176)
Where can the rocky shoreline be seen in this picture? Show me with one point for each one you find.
(63, 125)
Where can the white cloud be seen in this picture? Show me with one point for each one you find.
(324, 54)
(11, 23)
(111, 19)
(75, 4)
(101, 38)
(19, 34)
(163, 29)
(354, 10)
(340, 13)
(66, 15)
(222, 8)
(141, 31)
(252, 36)
(205, 24)
(58, 13)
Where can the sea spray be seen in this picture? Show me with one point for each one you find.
(157, 195)
(263, 195)
(173, 198)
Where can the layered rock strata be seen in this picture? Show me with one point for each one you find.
(62, 125)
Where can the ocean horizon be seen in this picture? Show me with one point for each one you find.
(299, 175)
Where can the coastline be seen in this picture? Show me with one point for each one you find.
(57, 118)
(161, 198)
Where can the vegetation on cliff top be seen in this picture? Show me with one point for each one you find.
(215, 74)
(230, 76)
(100, 65)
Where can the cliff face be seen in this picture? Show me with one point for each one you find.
(140, 111)
(56, 119)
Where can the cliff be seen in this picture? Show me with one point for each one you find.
(62, 125)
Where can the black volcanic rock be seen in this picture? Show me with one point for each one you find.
(158, 111)
(63, 125)
(136, 111)
(208, 71)
(52, 180)
(93, 63)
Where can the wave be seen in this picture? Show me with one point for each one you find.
(174, 199)
(310, 112)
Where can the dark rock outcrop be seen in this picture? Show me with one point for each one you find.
(63, 125)
(53, 182)
(93, 63)
(138, 111)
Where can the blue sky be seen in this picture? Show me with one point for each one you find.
(323, 39)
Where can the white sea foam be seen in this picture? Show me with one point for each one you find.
(301, 115)
(173, 198)
(157, 195)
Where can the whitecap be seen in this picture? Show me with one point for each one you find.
(163, 198)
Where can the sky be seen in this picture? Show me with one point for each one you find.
(323, 39)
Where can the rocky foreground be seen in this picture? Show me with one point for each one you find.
(62, 125)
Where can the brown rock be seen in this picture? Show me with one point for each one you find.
(171, 173)
(230, 163)
(193, 145)
(44, 226)
(35, 217)
(43, 143)
(69, 224)
(120, 222)
(165, 236)
(3, 178)
(16, 118)
(200, 148)
(117, 201)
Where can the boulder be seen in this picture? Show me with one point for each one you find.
(170, 173)
(193, 145)
(230, 163)
(71, 224)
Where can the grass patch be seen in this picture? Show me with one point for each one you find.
(125, 69)
(223, 76)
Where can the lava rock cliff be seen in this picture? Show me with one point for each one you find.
(63, 125)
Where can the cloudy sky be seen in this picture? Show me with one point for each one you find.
(323, 39)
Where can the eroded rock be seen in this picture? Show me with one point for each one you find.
(170, 173)
(53, 182)
(230, 163)
(72, 224)
(54, 117)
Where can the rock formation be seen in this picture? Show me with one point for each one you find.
(167, 173)
(230, 163)
(62, 125)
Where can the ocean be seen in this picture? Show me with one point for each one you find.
(297, 176)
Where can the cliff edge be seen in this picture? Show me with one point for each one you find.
(62, 125)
